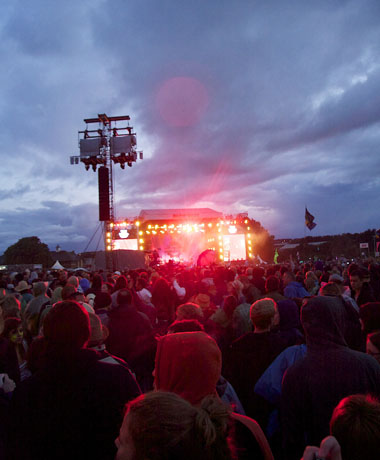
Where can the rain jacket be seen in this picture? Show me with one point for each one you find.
(329, 372)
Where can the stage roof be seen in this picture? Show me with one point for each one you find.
(179, 214)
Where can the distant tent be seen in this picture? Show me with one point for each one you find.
(57, 266)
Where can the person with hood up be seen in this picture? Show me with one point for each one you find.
(189, 364)
(330, 371)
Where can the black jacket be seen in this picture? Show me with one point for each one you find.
(70, 408)
(244, 363)
(131, 338)
(330, 371)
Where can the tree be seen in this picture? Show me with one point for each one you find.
(263, 242)
(28, 250)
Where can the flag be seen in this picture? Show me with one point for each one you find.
(275, 256)
(309, 220)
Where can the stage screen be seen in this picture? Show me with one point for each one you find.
(179, 246)
(126, 244)
(234, 247)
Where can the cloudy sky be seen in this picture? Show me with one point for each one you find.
(241, 106)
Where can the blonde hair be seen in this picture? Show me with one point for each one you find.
(164, 425)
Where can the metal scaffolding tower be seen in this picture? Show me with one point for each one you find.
(102, 147)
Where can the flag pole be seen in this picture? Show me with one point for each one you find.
(304, 225)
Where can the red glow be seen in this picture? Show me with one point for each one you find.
(182, 101)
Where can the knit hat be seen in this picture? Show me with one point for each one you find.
(263, 309)
(84, 284)
(99, 332)
(22, 286)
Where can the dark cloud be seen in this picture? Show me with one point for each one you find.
(288, 96)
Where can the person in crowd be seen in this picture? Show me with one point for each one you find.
(249, 290)
(102, 306)
(222, 321)
(56, 295)
(202, 298)
(224, 389)
(355, 430)
(163, 298)
(311, 283)
(73, 281)
(344, 291)
(185, 325)
(11, 307)
(370, 317)
(373, 345)
(241, 320)
(272, 289)
(77, 296)
(355, 424)
(24, 289)
(34, 308)
(251, 354)
(162, 425)
(352, 328)
(72, 406)
(13, 332)
(84, 284)
(141, 289)
(258, 279)
(98, 336)
(374, 271)
(108, 287)
(332, 371)
(96, 285)
(329, 449)
(293, 289)
(121, 283)
(361, 291)
(131, 338)
(289, 327)
(9, 364)
(189, 311)
(189, 364)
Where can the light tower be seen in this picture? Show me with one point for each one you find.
(101, 148)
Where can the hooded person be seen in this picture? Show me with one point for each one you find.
(189, 364)
(72, 406)
(328, 372)
(290, 324)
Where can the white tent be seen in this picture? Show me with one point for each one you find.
(57, 266)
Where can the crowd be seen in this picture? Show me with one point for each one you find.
(170, 362)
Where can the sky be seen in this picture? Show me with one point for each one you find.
(240, 106)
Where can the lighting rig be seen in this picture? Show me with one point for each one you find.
(100, 148)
